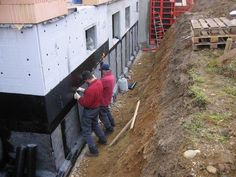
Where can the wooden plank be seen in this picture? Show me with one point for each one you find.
(135, 115)
(203, 23)
(211, 23)
(195, 40)
(209, 43)
(232, 26)
(214, 46)
(233, 37)
(220, 23)
(196, 31)
(204, 33)
(228, 45)
(121, 133)
(226, 21)
(94, 2)
(32, 13)
(196, 24)
(223, 32)
(214, 39)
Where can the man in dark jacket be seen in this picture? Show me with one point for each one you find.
(91, 101)
(108, 82)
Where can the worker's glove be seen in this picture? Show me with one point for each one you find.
(80, 89)
(76, 96)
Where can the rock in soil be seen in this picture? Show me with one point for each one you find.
(211, 169)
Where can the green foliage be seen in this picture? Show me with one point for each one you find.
(229, 69)
(216, 137)
(216, 117)
(194, 126)
(199, 98)
(212, 66)
(230, 90)
(195, 75)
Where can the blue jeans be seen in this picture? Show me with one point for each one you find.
(89, 123)
(106, 118)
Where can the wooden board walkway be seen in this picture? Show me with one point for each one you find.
(212, 32)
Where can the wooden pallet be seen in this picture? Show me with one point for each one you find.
(212, 26)
(212, 32)
(213, 38)
(209, 45)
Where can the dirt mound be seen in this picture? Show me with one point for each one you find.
(169, 122)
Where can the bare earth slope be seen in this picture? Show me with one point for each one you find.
(188, 102)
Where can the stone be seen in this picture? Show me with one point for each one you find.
(224, 132)
(221, 167)
(189, 154)
(211, 169)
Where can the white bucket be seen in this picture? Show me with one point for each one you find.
(123, 84)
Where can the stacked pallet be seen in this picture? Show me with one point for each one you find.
(30, 11)
(212, 32)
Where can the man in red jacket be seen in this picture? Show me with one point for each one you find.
(91, 101)
(108, 82)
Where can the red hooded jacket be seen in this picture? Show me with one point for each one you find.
(108, 82)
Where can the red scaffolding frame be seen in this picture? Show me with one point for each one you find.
(165, 11)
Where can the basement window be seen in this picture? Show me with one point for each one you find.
(91, 38)
(180, 3)
(127, 17)
(116, 25)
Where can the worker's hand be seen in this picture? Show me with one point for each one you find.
(76, 96)
(94, 76)
(80, 89)
(103, 55)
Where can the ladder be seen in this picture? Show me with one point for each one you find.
(163, 12)
(158, 28)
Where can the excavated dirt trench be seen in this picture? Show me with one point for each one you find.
(155, 147)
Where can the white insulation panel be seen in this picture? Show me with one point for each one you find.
(20, 62)
(35, 60)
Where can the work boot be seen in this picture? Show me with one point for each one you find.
(93, 152)
(109, 131)
(113, 124)
(89, 154)
(103, 142)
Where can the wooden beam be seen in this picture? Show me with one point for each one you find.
(228, 45)
(132, 121)
(121, 133)
(135, 115)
